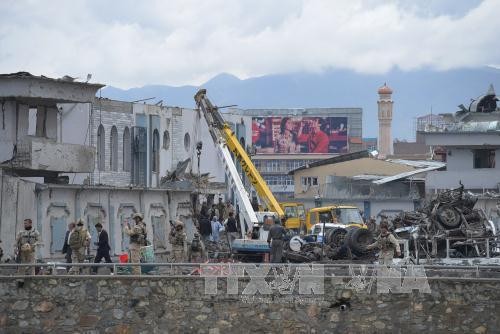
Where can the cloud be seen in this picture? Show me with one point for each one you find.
(130, 43)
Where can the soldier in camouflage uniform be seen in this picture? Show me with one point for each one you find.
(197, 253)
(178, 240)
(26, 243)
(387, 244)
(78, 241)
(138, 237)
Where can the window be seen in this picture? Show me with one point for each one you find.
(113, 149)
(187, 142)
(155, 156)
(126, 150)
(166, 140)
(309, 181)
(100, 148)
(291, 212)
(484, 158)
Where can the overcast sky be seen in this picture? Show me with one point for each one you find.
(133, 43)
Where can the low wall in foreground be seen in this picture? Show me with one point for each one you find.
(119, 304)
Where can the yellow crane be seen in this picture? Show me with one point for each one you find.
(221, 131)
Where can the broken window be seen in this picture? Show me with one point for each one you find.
(32, 121)
(166, 140)
(484, 158)
(155, 157)
(113, 149)
(126, 150)
(187, 142)
(100, 148)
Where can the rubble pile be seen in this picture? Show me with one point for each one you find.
(450, 215)
(220, 249)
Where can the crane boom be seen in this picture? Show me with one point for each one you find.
(222, 134)
(218, 137)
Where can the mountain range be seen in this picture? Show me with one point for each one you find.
(416, 93)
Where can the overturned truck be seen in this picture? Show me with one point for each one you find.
(448, 226)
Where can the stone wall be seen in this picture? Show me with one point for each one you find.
(118, 304)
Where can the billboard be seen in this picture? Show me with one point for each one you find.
(298, 135)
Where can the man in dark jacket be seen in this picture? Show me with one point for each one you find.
(205, 227)
(102, 247)
(66, 250)
(231, 227)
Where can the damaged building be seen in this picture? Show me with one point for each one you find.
(67, 155)
(469, 142)
(377, 187)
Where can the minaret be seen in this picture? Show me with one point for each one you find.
(384, 121)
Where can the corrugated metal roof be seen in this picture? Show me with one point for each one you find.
(407, 174)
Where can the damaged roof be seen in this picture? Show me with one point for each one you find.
(64, 79)
(361, 166)
(41, 90)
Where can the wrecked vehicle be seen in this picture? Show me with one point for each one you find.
(338, 234)
(447, 226)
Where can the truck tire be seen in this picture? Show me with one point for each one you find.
(357, 239)
(448, 217)
(336, 237)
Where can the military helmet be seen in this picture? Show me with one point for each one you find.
(138, 215)
(80, 222)
(179, 223)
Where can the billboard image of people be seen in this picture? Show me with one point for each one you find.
(297, 135)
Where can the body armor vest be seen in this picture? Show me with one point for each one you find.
(385, 243)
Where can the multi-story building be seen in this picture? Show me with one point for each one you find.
(281, 140)
(66, 155)
(470, 139)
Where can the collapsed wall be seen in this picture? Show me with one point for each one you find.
(51, 304)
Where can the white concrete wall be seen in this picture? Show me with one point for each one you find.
(459, 159)
(7, 129)
(19, 201)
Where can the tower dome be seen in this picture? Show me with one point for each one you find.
(385, 89)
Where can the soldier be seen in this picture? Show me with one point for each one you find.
(178, 240)
(138, 237)
(221, 208)
(78, 240)
(197, 251)
(26, 243)
(276, 234)
(386, 243)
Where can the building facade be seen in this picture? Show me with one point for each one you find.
(280, 140)
(374, 185)
(470, 140)
(67, 155)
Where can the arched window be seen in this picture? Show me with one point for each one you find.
(166, 140)
(155, 157)
(113, 149)
(100, 148)
(126, 150)
(187, 142)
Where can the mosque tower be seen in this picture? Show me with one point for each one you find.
(384, 121)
